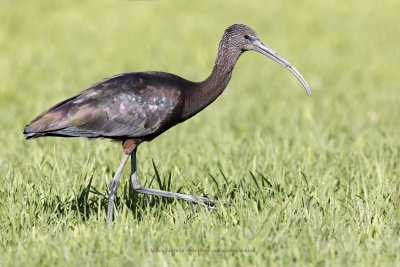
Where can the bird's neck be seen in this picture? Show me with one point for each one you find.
(203, 93)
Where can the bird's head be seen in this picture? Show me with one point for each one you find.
(243, 38)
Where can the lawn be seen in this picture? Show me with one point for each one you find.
(313, 181)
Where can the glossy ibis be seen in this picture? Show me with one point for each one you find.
(139, 106)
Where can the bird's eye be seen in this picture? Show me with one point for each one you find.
(246, 36)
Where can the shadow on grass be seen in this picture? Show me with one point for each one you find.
(90, 200)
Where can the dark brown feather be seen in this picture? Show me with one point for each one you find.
(131, 105)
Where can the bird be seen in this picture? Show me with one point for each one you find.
(137, 107)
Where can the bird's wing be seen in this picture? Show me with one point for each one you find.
(122, 106)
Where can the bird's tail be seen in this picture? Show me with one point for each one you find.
(31, 135)
(50, 121)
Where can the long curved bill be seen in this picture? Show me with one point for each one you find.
(269, 52)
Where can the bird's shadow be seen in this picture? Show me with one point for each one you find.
(88, 200)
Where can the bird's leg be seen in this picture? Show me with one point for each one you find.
(113, 188)
(191, 199)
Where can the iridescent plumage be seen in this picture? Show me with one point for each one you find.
(137, 107)
(124, 106)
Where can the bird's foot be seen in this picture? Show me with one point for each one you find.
(209, 203)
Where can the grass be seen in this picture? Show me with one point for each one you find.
(313, 181)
